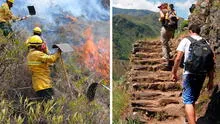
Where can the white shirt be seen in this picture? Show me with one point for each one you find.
(184, 47)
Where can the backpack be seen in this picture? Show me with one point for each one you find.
(173, 20)
(201, 57)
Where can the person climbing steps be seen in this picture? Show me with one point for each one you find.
(169, 22)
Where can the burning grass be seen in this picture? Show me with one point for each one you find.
(95, 55)
(64, 108)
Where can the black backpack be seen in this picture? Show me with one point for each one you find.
(201, 57)
(171, 23)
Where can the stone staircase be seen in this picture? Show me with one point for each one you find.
(155, 99)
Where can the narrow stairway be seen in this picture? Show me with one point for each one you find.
(155, 99)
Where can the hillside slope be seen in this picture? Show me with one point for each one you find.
(128, 27)
(131, 12)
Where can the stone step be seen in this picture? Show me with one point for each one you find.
(147, 61)
(154, 94)
(147, 67)
(147, 109)
(147, 73)
(154, 42)
(151, 78)
(163, 86)
(169, 110)
(144, 103)
(147, 46)
(142, 55)
(155, 102)
(147, 49)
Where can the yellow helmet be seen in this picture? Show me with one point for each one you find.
(37, 30)
(12, 1)
(34, 41)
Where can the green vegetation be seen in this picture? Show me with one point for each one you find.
(127, 29)
(120, 68)
(120, 100)
(184, 24)
(60, 111)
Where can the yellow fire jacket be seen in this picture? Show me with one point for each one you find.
(38, 63)
(6, 14)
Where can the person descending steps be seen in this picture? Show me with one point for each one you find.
(169, 21)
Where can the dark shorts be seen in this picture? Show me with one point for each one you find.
(192, 85)
(45, 94)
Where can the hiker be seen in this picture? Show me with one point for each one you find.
(6, 16)
(38, 63)
(37, 32)
(169, 22)
(195, 69)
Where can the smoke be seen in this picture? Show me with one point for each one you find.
(46, 9)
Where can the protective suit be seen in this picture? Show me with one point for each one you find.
(38, 62)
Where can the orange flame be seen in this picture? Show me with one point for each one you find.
(96, 56)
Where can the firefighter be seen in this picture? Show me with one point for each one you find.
(6, 16)
(38, 63)
(37, 32)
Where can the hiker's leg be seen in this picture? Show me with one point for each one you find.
(192, 85)
(169, 37)
(190, 113)
(188, 98)
(165, 45)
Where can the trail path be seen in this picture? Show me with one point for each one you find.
(155, 99)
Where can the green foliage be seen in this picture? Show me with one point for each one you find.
(184, 24)
(120, 100)
(120, 68)
(127, 29)
(59, 111)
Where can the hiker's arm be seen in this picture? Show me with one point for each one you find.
(176, 65)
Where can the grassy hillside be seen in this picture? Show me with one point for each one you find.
(127, 29)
